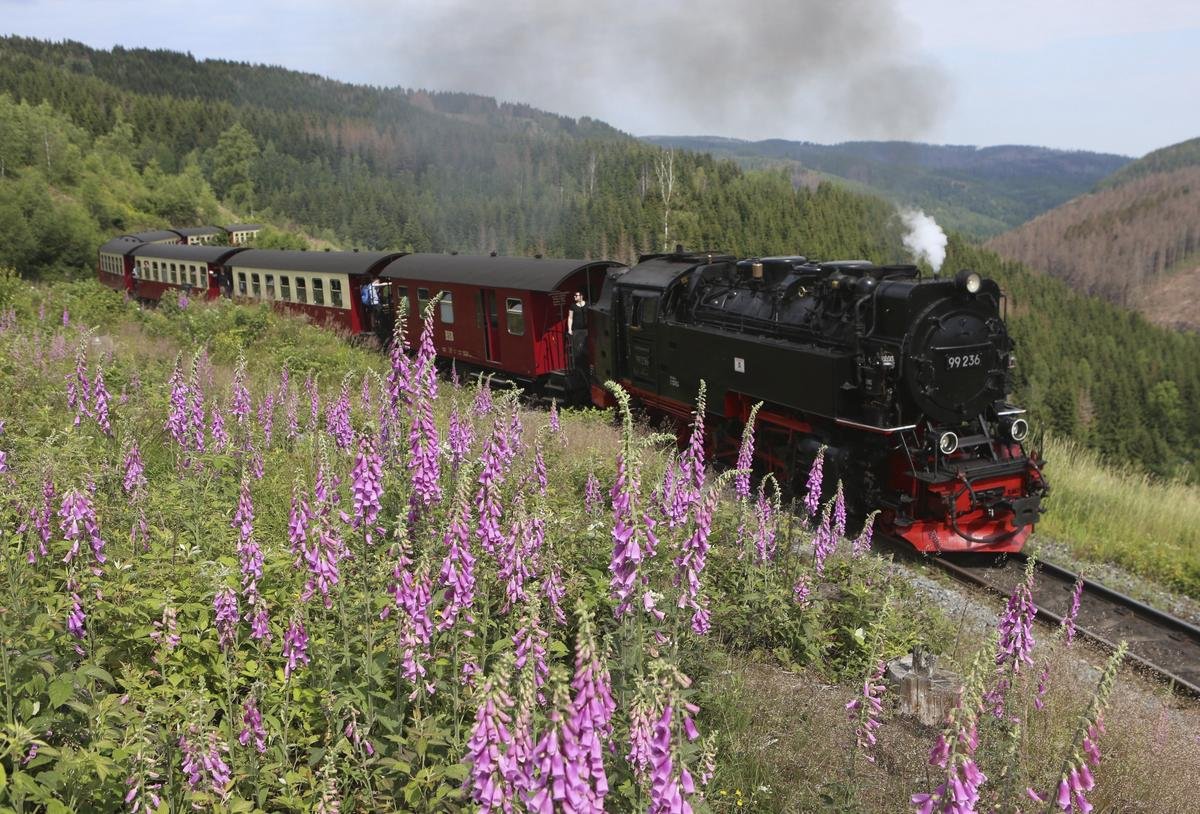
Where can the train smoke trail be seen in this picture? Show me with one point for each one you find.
(925, 239)
(759, 68)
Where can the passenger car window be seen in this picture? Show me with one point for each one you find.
(335, 293)
(447, 308)
(514, 309)
(318, 291)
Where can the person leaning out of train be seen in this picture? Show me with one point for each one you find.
(578, 314)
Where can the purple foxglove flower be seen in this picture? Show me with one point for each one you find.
(591, 494)
(839, 513)
(79, 386)
(1016, 641)
(801, 591)
(424, 464)
(555, 592)
(216, 431)
(166, 631)
(314, 403)
(337, 419)
(322, 557)
(135, 479)
(765, 529)
(529, 643)
(668, 783)
(266, 418)
(43, 518)
(76, 618)
(100, 405)
(539, 471)
(143, 787)
(299, 517)
(367, 488)
(812, 500)
(824, 541)
(203, 763)
(76, 518)
(517, 560)
(593, 705)
(745, 459)
(364, 394)
(866, 711)
(1068, 622)
(487, 499)
(250, 556)
(862, 544)
(178, 417)
(555, 425)
(487, 749)
(239, 405)
(1039, 700)
(252, 726)
(295, 647)
(66, 317)
(641, 736)
(412, 595)
(461, 437)
(291, 406)
(139, 531)
(260, 620)
(694, 554)
(225, 609)
(632, 543)
(483, 398)
(458, 568)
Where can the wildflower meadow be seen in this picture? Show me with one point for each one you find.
(249, 567)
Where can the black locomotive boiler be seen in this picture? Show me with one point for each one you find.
(904, 380)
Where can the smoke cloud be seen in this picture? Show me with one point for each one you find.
(811, 69)
(925, 239)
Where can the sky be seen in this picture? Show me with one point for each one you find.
(1103, 75)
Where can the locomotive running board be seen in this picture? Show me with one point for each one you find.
(872, 428)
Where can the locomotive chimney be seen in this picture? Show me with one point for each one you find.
(756, 270)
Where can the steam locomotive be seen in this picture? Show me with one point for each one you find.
(902, 380)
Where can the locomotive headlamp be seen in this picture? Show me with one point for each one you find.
(948, 443)
(1017, 428)
(968, 281)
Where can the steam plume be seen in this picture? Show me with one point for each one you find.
(925, 239)
(814, 69)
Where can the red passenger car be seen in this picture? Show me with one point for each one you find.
(503, 314)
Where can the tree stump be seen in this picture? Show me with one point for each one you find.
(924, 692)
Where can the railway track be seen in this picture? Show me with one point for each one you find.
(1158, 642)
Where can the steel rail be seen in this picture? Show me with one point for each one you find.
(1173, 630)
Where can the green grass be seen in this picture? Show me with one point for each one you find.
(1123, 516)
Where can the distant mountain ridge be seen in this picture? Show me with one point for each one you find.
(1164, 159)
(1134, 241)
(980, 191)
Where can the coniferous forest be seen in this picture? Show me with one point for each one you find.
(94, 143)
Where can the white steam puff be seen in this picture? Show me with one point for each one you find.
(925, 239)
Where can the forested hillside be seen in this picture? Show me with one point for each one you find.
(1097, 372)
(92, 143)
(1135, 241)
(405, 169)
(979, 191)
(1165, 159)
